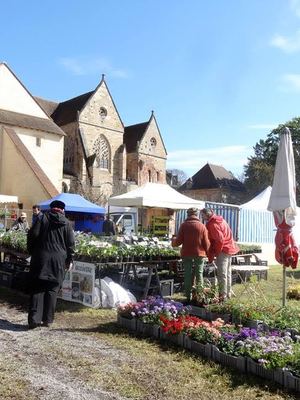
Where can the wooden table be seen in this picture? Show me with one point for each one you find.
(152, 266)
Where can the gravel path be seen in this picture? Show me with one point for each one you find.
(43, 358)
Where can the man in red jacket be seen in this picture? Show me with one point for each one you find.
(193, 237)
(222, 246)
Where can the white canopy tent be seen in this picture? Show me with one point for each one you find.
(261, 202)
(5, 199)
(155, 195)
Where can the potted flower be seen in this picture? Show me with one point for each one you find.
(126, 316)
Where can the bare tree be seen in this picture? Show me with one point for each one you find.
(176, 177)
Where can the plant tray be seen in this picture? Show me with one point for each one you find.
(127, 323)
(291, 381)
(148, 329)
(175, 339)
(275, 375)
(200, 312)
(203, 350)
(229, 360)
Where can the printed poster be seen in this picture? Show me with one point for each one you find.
(79, 283)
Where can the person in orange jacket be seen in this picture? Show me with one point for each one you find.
(193, 237)
(222, 246)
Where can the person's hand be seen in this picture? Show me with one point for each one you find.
(211, 265)
(69, 266)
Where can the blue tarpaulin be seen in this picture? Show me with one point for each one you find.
(75, 203)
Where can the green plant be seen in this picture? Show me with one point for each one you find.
(293, 292)
(203, 296)
(286, 317)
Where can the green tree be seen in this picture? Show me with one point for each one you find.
(259, 170)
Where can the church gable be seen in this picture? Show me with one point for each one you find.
(15, 97)
(101, 111)
(151, 143)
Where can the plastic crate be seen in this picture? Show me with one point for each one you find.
(6, 279)
(167, 287)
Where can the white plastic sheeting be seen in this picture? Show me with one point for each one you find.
(112, 294)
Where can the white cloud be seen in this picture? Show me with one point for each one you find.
(91, 66)
(290, 82)
(265, 127)
(287, 44)
(233, 158)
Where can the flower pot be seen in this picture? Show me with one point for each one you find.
(127, 323)
(229, 360)
(291, 381)
(204, 350)
(224, 317)
(253, 323)
(275, 375)
(147, 329)
(178, 339)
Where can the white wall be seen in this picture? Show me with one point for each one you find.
(14, 97)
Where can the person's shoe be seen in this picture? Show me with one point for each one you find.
(46, 324)
(33, 325)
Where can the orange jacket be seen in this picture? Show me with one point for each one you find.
(220, 236)
(193, 236)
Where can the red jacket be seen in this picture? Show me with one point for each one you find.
(220, 236)
(193, 236)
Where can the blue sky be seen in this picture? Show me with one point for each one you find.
(219, 74)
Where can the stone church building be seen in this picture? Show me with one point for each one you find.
(80, 145)
(101, 156)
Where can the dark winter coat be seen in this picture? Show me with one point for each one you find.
(51, 243)
(109, 227)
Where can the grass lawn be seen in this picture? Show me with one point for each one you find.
(269, 290)
(155, 371)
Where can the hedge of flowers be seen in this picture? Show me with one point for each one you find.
(270, 349)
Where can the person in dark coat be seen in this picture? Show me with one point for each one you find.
(109, 227)
(36, 213)
(51, 244)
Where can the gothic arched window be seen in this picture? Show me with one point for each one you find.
(101, 149)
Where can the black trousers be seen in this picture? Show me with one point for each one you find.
(42, 303)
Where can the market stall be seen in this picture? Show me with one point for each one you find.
(85, 216)
(154, 196)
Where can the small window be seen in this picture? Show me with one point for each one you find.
(153, 143)
(149, 175)
(102, 113)
(127, 220)
(38, 141)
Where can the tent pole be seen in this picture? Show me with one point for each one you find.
(283, 286)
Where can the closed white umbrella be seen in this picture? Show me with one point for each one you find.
(283, 204)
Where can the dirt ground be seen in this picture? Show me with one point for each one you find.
(86, 355)
(39, 361)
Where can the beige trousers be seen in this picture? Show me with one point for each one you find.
(223, 263)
